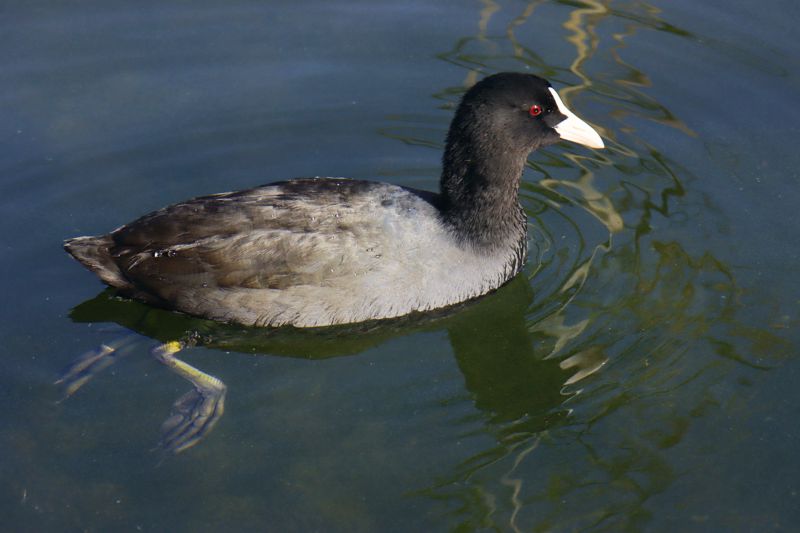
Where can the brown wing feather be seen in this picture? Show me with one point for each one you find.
(292, 233)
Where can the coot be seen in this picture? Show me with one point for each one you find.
(323, 251)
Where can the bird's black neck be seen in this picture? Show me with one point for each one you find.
(479, 194)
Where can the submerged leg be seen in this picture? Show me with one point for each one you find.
(195, 413)
(90, 364)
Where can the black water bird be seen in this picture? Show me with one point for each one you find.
(324, 251)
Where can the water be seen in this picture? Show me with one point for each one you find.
(640, 375)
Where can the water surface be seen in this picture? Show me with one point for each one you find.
(640, 375)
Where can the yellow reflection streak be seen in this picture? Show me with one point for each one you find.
(585, 41)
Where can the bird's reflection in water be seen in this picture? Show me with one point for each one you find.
(506, 369)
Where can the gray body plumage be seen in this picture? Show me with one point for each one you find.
(307, 252)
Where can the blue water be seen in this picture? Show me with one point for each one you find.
(640, 375)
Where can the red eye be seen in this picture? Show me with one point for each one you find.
(535, 110)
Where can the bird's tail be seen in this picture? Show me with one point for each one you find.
(95, 254)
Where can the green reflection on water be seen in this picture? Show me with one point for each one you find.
(663, 323)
